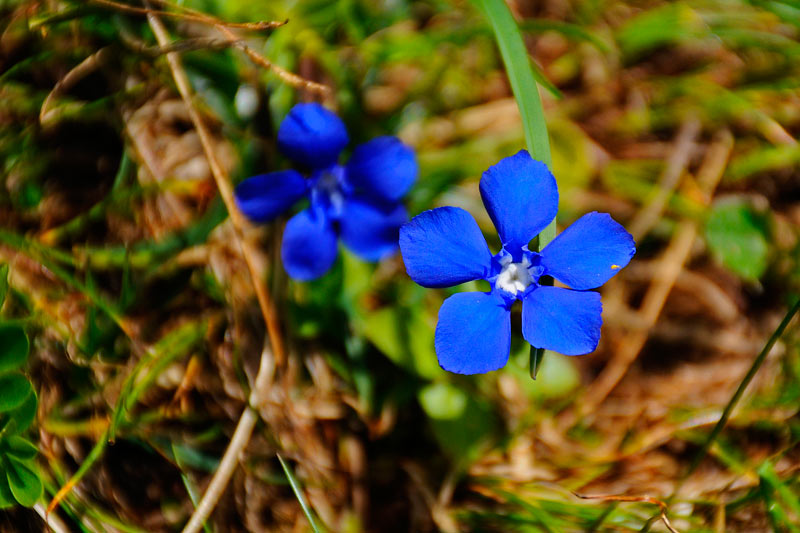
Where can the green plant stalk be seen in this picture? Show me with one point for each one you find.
(726, 413)
(523, 84)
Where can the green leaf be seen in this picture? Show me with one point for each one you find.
(443, 401)
(461, 423)
(783, 488)
(763, 159)
(14, 389)
(405, 338)
(24, 482)
(737, 236)
(19, 447)
(3, 284)
(557, 378)
(6, 497)
(13, 346)
(20, 418)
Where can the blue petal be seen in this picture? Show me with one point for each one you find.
(312, 136)
(264, 197)
(562, 320)
(521, 196)
(444, 247)
(369, 230)
(384, 167)
(309, 245)
(473, 334)
(589, 252)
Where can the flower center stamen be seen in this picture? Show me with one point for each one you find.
(514, 277)
(330, 190)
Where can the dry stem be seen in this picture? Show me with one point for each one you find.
(645, 499)
(194, 16)
(286, 76)
(266, 368)
(647, 217)
(53, 522)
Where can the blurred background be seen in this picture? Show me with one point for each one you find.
(123, 270)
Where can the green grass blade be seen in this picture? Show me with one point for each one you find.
(726, 413)
(520, 76)
(523, 83)
(298, 492)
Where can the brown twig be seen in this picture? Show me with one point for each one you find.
(186, 45)
(678, 160)
(643, 499)
(286, 76)
(267, 364)
(194, 16)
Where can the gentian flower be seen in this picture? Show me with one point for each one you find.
(444, 247)
(359, 202)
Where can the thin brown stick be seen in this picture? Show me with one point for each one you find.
(267, 364)
(644, 499)
(666, 271)
(195, 16)
(186, 45)
(647, 217)
(225, 190)
(286, 76)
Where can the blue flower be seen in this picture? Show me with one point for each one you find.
(359, 202)
(444, 247)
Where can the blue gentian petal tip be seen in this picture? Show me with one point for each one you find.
(589, 252)
(383, 167)
(262, 198)
(521, 197)
(312, 136)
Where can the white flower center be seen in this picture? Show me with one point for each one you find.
(329, 184)
(514, 277)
